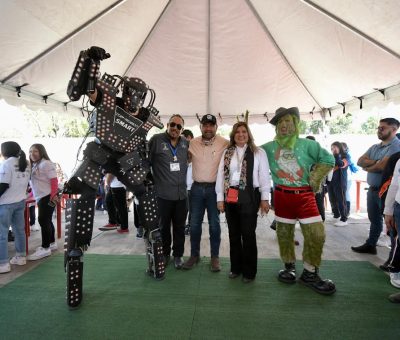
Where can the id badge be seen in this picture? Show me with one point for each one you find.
(174, 167)
(236, 177)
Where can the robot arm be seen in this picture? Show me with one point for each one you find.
(84, 77)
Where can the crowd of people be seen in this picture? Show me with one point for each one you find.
(235, 177)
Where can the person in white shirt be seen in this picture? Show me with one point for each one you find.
(189, 179)
(392, 221)
(14, 179)
(242, 188)
(44, 185)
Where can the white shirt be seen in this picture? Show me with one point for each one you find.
(17, 181)
(42, 172)
(115, 183)
(261, 176)
(189, 177)
(393, 193)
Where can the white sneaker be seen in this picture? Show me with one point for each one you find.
(395, 279)
(18, 260)
(382, 242)
(5, 268)
(39, 254)
(341, 224)
(53, 246)
(34, 228)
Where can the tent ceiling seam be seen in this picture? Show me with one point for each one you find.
(144, 43)
(268, 33)
(209, 60)
(63, 40)
(351, 28)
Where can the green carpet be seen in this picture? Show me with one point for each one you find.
(121, 302)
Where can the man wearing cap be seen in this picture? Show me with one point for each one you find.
(290, 159)
(168, 153)
(205, 153)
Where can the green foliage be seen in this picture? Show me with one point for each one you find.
(341, 124)
(43, 124)
(313, 127)
(370, 125)
(303, 127)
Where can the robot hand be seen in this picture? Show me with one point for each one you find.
(97, 53)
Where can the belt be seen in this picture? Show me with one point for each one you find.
(294, 191)
(205, 184)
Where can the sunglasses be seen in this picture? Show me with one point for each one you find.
(382, 128)
(178, 126)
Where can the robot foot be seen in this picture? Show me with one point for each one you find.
(74, 278)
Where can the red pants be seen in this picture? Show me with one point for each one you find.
(295, 203)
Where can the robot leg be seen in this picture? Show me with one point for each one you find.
(154, 254)
(79, 216)
(148, 215)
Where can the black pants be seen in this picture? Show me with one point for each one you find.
(175, 212)
(319, 198)
(119, 200)
(337, 198)
(45, 220)
(136, 220)
(242, 240)
(112, 212)
(32, 215)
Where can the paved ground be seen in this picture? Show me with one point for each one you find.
(337, 247)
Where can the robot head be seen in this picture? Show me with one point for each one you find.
(134, 92)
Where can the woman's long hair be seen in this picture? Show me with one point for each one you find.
(250, 142)
(12, 149)
(342, 153)
(42, 152)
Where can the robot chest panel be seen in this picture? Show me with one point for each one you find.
(118, 129)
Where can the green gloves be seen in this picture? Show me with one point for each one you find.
(318, 174)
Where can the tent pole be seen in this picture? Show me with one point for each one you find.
(351, 28)
(60, 42)
(268, 33)
(147, 38)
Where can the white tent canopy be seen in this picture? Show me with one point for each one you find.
(209, 56)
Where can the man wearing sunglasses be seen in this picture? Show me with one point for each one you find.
(169, 159)
(374, 161)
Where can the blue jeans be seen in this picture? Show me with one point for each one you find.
(12, 215)
(203, 197)
(374, 208)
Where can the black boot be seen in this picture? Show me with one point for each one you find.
(288, 275)
(365, 249)
(312, 280)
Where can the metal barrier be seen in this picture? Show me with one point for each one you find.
(358, 190)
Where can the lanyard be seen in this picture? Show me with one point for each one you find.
(173, 151)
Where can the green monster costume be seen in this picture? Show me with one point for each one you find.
(290, 160)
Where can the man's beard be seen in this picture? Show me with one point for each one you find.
(384, 137)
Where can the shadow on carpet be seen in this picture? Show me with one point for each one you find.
(121, 302)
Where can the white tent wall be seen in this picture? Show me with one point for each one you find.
(217, 56)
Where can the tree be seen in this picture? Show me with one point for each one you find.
(370, 125)
(341, 124)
